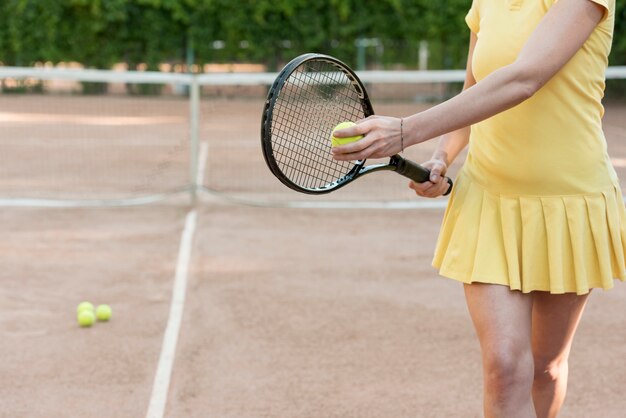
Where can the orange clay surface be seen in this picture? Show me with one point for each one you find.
(289, 312)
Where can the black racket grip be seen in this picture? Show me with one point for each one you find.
(415, 172)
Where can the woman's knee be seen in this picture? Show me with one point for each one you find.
(508, 369)
(549, 370)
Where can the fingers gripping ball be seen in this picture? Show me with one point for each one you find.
(342, 141)
(103, 312)
(86, 318)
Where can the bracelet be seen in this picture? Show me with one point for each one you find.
(401, 135)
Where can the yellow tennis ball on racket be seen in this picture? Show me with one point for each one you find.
(342, 141)
(86, 318)
(103, 312)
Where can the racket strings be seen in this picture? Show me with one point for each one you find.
(313, 100)
(306, 173)
(302, 121)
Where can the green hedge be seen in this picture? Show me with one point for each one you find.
(99, 33)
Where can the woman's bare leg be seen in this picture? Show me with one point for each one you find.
(555, 318)
(503, 319)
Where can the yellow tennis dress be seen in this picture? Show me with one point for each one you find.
(537, 205)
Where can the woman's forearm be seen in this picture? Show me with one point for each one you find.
(499, 91)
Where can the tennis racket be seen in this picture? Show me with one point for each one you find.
(310, 96)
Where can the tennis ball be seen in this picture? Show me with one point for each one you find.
(88, 306)
(342, 141)
(103, 312)
(86, 318)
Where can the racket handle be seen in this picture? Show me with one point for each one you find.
(414, 171)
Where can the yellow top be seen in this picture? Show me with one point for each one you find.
(552, 143)
(537, 204)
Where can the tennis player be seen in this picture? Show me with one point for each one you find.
(536, 219)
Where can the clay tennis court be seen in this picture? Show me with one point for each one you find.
(287, 312)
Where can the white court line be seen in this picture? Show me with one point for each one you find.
(202, 157)
(96, 203)
(160, 389)
(421, 203)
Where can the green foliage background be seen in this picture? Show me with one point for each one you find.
(99, 33)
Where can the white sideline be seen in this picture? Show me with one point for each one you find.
(160, 389)
(202, 158)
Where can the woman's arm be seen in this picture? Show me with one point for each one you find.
(560, 34)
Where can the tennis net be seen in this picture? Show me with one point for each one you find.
(106, 137)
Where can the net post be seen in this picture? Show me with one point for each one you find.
(194, 110)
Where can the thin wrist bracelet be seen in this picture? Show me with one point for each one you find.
(401, 135)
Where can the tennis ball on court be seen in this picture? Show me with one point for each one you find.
(342, 141)
(86, 318)
(103, 312)
(84, 306)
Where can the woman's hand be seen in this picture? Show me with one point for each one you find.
(438, 185)
(382, 137)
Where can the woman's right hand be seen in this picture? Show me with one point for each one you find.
(438, 185)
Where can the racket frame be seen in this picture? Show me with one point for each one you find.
(396, 163)
(266, 122)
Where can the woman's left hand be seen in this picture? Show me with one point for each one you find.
(382, 138)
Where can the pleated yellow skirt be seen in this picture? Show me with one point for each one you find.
(558, 244)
